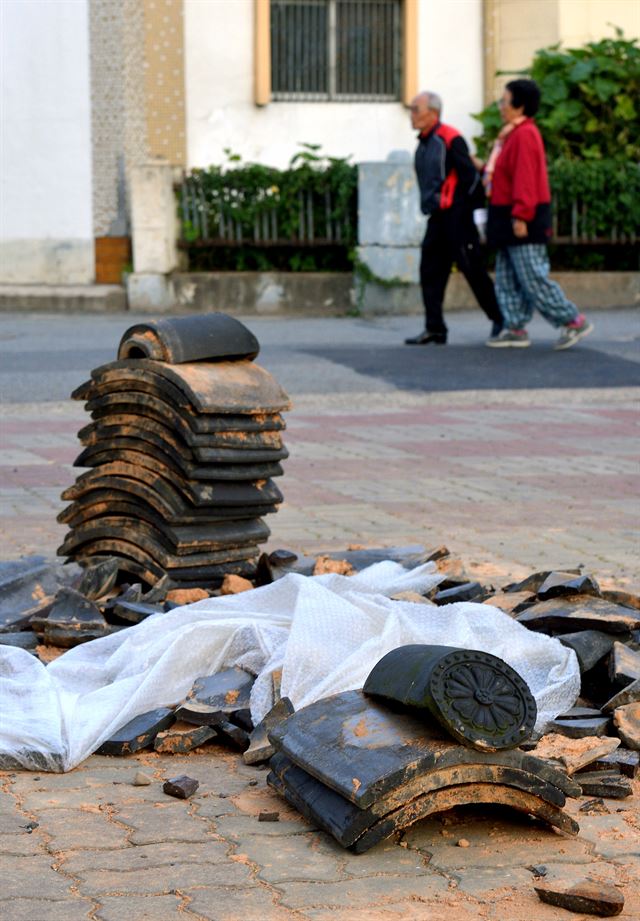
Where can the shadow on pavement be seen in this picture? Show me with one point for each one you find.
(450, 367)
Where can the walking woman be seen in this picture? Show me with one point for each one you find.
(519, 225)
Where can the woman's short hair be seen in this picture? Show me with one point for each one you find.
(524, 93)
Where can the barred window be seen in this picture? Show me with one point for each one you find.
(336, 49)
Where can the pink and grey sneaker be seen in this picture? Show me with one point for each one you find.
(573, 332)
(509, 339)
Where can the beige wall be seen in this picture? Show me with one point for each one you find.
(581, 21)
(515, 29)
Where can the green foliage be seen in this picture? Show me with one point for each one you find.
(596, 196)
(589, 118)
(271, 212)
(590, 106)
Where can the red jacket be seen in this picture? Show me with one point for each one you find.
(520, 186)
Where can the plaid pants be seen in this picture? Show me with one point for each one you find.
(523, 283)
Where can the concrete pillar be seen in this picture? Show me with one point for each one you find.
(390, 231)
(154, 231)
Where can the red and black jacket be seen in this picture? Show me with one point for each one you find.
(446, 174)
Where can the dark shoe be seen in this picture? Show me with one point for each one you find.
(425, 337)
(496, 329)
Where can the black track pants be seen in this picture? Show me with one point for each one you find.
(452, 237)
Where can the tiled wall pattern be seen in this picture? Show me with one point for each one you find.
(117, 108)
(137, 98)
(164, 79)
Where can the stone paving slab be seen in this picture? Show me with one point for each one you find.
(514, 494)
(180, 860)
(141, 908)
(43, 909)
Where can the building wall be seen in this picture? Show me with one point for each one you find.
(119, 137)
(591, 20)
(220, 109)
(515, 29)
(137, 98)
(46, 233)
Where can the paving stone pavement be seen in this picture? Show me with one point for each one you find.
(91, 845)
(509, 479)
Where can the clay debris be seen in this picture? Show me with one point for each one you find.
(588, 896)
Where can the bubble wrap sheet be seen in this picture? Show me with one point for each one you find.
(324, 632)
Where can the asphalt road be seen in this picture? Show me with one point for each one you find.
(44, 357)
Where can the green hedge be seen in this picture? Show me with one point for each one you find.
(606, 195)
(248, 216)
(603, 194)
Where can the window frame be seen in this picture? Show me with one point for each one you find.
(262, 61)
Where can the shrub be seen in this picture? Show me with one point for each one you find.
(246, 216)
(590, 106)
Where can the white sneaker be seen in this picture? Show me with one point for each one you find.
(573, 334)
(509, 339)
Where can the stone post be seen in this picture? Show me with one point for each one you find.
(390, 231)
(154, 231)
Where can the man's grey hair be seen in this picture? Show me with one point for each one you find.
(433, 101)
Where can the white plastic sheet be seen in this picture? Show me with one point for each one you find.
(325, 632)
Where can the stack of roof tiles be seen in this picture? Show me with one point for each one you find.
(182, 449)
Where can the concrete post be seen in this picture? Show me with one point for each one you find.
(154, 231)
(390, 231)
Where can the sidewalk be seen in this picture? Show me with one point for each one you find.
(511, 481)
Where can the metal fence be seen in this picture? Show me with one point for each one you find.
(316, 220)
(573, 224)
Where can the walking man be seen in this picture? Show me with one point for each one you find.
(450, 188)
(519, 225)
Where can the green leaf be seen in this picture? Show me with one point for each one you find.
(604, 89)
(582, 70)
(625, 108)
(554, 88)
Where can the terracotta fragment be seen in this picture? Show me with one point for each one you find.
(624, 665)
(260, 748)
(182, 738)
(138, 733)
(233, 585)
(464, 591)
(590, 646)
(574, 753)
(627, 722)
(558, 584)
(73, 619)
(604, 783)
(181, 787)
(592, 898)
(628, 695)
(187, 595)
(580, 728)
(325, 564)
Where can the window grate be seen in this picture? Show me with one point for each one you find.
(343, 50)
